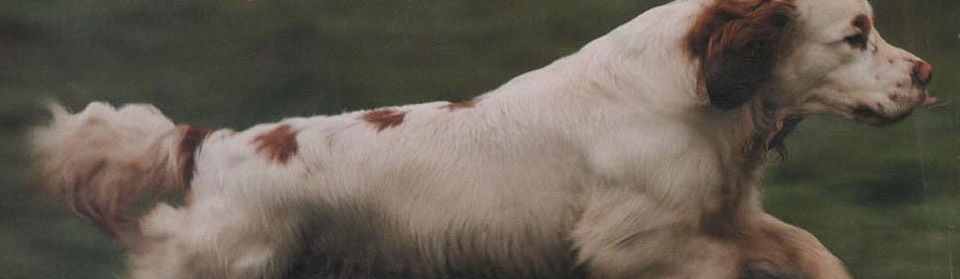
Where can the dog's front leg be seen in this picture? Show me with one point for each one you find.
(771, 248)
(630, 236)
(639, 241)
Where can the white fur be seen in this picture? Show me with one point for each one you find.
(605, 160)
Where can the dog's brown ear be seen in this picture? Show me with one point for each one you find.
(738, 43)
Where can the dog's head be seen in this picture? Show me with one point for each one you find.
(805, 56)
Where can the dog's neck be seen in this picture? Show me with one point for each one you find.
(754, 129)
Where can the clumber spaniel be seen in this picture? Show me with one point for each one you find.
(636, 157)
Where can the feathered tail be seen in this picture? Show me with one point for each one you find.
(103, 160)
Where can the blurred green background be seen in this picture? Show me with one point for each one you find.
(885, 200)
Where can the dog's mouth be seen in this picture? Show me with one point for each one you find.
(875, 118)
(871, 116)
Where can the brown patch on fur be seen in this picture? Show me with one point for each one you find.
(860, 39)
(863, 23)
(460, 105)
(384, 118)
(278, 145)
(192, 139)
(738, 43)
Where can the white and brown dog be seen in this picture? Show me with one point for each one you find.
(636, 157)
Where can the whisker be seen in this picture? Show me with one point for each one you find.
(947, 103)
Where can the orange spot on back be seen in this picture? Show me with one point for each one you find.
(384, 118)
(460, 105)
(278, 144)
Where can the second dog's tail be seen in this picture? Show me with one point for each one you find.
(103, 160)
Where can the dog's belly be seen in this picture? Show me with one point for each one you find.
(363, 264)
(506, 223)
(392, 206)
(373, 245)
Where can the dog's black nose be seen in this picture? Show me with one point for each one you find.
(922, 73)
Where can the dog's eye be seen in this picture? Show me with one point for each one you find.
(858, 41)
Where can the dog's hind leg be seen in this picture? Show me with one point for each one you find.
(208, 240)
(158, 253)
